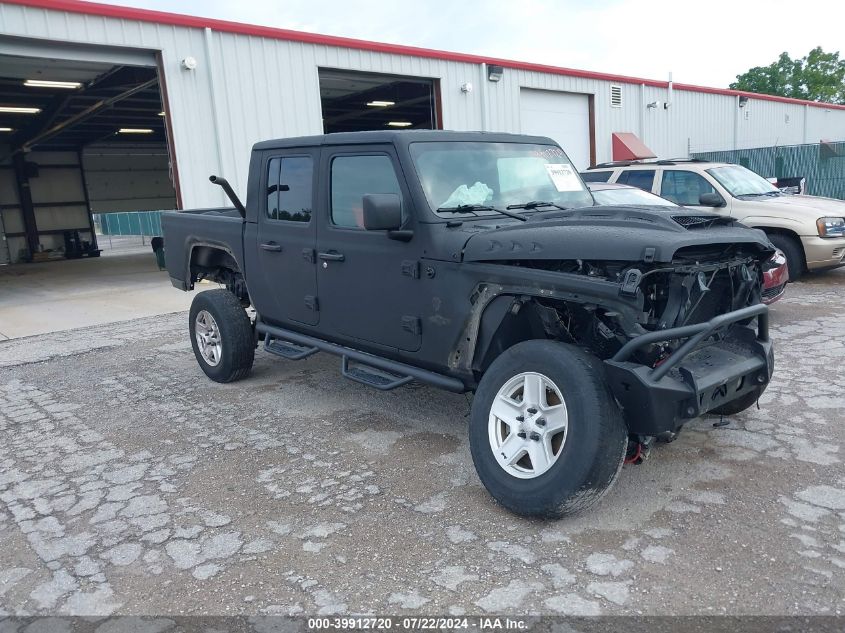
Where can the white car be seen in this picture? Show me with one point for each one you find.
(809, 230)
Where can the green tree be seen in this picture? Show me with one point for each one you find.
(818, 76)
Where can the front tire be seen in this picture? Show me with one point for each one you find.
(794, 252)
(221, 335)
(546, 435)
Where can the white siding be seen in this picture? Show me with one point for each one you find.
(248, 88)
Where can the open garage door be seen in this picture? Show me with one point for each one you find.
(355, 101)
(78, 133)
(563, 116)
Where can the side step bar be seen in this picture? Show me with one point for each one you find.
(388, 372)
(372, 377)
(286, 349)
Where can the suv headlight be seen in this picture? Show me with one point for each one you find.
(831, 227)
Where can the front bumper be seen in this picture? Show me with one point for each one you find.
(696, 377)
(824, 252)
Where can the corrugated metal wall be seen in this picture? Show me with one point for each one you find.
(247, 88)
(822, 166)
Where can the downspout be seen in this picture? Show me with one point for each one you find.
(643, 108)
(215, 113)
(482, 95)
(806, 116)
(736, 122)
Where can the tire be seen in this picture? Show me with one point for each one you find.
(740, 404)
(794, 252)
(585, 458)
(224, 326)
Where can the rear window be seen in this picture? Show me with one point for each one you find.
(639, 178)
(596, 176)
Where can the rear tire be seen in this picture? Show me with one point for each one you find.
(574, 468)
(794, 252)
(221, 335)
(740, 404)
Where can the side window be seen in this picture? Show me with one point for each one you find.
(289, 188)
(352, 178)
(684, 187)
(596, 176)
(273, 188)
(640, 178)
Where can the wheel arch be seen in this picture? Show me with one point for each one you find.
(217, 262)
(776, 230)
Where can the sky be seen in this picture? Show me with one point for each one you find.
(703, 43)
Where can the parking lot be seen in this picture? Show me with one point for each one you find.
(132, 484)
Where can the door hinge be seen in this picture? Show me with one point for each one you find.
(311, 303)
(308, 255)
(412, 324)
(411, 269)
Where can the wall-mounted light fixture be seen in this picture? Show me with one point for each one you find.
(494, 73)
(189, 63)
(653, 104)
(743, 101)
(466, 88)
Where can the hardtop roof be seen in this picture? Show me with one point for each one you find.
(399, 138)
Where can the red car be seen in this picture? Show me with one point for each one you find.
(775, 275)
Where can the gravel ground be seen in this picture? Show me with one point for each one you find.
(131, 484)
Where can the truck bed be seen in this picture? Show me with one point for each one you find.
(220, 227)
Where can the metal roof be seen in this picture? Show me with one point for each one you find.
(175, 19)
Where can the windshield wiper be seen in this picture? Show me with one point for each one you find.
(472, 208)
(534, 204)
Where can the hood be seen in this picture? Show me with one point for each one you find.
(610, 233)
(804, 207)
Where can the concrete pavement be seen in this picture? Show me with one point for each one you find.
(129, 483)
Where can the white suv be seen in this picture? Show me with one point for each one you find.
(808, 229)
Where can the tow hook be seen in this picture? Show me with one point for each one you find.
(639, 448)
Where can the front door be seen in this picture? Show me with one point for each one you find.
(368, 283)
(284, 240)
(686, 187)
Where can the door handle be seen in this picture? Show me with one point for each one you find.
(331, 256)
(271, 246)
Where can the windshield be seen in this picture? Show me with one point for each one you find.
(630, 196)
(740, 181)
(457, 176)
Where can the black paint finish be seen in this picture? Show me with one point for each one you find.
(447, 296)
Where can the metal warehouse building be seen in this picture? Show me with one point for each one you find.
(106, 109)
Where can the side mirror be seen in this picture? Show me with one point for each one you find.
(711, 200)
(382, 211)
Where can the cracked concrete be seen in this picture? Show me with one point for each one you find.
(131, 484)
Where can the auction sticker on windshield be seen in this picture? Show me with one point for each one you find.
(563, 176)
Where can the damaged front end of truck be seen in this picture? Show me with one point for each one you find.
(670, 304)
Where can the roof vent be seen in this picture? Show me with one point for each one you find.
(616, 96)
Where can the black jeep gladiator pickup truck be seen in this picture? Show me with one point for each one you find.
(476, 262)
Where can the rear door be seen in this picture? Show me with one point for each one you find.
(640, 178)
(283, 285)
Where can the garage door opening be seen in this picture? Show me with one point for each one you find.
(77, 137)
(356, 101)
(566, 117)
